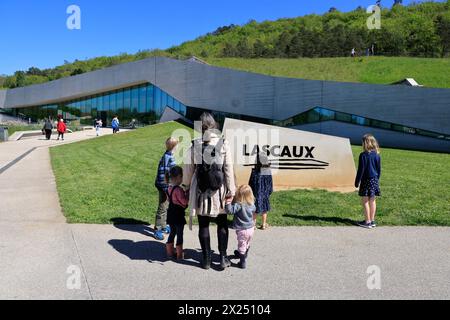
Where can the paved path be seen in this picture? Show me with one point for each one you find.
(37, 247)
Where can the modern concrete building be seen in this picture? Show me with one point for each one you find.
(399, 116)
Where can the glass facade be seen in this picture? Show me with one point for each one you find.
(319, 114)
(316, 115)
(143, 103)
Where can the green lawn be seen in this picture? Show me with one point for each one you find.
(112, 177)
(429, 72)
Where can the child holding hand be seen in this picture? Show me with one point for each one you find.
(178, 202)
(242, 209)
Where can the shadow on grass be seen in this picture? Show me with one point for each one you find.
(335, 220)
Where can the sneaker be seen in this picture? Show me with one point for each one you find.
(166, 230)
(374, 224)
(364, 224)
(159, 235)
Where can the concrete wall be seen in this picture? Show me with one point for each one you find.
(221, 89)
(386, 138)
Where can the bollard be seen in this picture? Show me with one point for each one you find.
(4, 134)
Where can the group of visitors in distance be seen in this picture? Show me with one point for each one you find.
(208, 188)
(60, 126)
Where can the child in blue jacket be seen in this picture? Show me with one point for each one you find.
(166, 163)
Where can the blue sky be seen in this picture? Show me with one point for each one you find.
(34, 32)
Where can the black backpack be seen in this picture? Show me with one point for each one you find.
(210, 176)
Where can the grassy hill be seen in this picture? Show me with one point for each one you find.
(112, 177)
(376, 70)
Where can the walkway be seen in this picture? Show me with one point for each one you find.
(37, 247)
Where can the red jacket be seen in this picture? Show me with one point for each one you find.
(61, 127)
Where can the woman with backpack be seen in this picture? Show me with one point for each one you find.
(209, 176)
(47, 129)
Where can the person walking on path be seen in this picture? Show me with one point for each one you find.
(47, 129)
(209, 176)
(367, 179)
(261, 182)
(166, 163)
(98, 126)
(242, 209)
(115, 125)
(178, 202)
(62, 128)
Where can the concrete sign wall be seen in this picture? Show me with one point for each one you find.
(299, 159)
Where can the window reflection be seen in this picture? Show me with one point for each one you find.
(320, 114)
(143, 103)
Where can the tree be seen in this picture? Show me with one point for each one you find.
(422, 40)
(243, 49)
(20, 79)
(281, 47)
(10, 82)
(398, 2)
(223, 30)
(204, 54)
(294, 49)
(76, 72)
(229, 51)
(33, 71)
(443, 30)
(260, 50)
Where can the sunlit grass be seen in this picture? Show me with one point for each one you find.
(113, 177)
(429, 72)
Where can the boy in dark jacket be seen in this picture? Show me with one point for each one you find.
(166, 163)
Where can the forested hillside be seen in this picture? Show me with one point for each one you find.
(418, 30)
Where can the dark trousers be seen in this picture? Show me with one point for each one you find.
(48, 134)
(222, 232)
(60, 135)
(178, 232)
